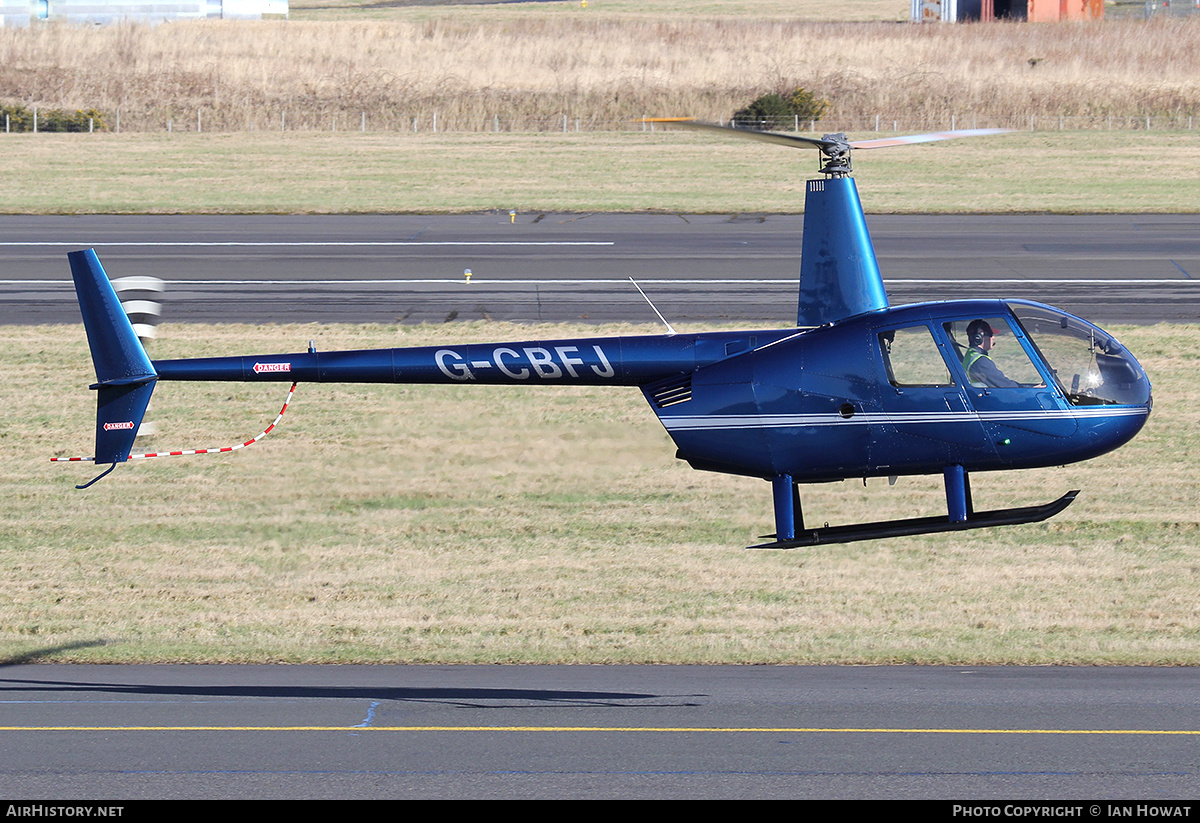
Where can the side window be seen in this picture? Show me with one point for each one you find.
(991, 355)
(912, 358)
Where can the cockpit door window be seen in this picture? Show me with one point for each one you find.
(991, 355)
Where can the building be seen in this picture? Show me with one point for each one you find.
(1037, 11)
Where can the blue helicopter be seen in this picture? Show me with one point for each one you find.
(857, 389)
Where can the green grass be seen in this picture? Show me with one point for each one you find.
(504, 524)
(633, 171)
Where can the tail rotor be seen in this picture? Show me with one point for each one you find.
(140, 297)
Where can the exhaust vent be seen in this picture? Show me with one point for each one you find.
(670, 392)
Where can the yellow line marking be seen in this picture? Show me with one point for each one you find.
(673, 730)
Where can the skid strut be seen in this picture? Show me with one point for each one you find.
(790, 532)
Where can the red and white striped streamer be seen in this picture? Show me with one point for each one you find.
(233, 448)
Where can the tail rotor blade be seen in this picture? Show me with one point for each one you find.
(139, 296)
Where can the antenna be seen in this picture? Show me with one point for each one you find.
(670, 328)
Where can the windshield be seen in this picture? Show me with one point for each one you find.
(1091, 367)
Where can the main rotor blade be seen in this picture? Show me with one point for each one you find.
(798, 141)
(885, 142)
(793, 140)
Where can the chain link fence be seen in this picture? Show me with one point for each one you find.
(1145, 9)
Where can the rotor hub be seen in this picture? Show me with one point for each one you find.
(835, 155)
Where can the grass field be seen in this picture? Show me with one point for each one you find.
(1047, 171)
(498, 524)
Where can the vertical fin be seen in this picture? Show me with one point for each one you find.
(119, 411)
(839, 275)
(124, 374)
(117, 354)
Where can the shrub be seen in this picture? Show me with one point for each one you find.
(20, 118)
(777, 111)
(806, 105)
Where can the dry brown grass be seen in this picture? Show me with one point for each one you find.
(529, 67)
(811, 10)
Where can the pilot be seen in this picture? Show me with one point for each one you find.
(980, 368)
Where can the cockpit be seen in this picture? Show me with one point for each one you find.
(1029, 346)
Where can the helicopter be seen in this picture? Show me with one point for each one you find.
(857, 389)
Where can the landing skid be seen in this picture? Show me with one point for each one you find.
(921, 525)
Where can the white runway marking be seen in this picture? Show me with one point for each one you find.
(338, 243)
(625, 282)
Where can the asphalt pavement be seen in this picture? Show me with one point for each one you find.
(571, 267)
(952, 732)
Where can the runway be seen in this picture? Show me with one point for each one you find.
(562, 267)
(962, 733)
